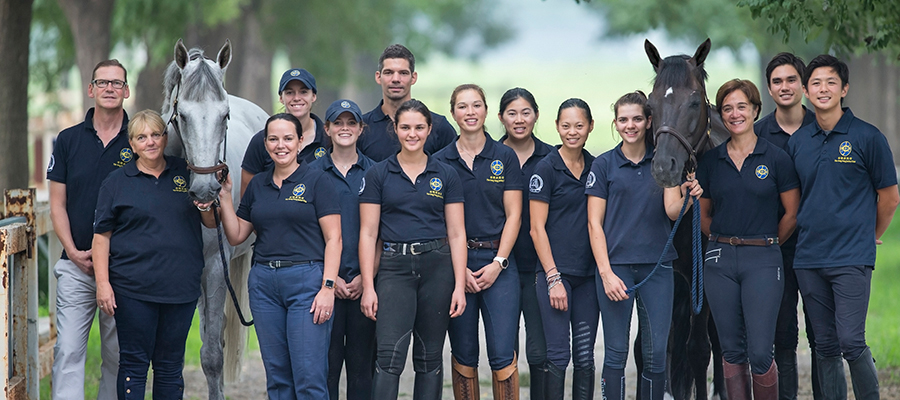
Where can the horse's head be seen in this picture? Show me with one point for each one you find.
(680, 112)
(198, 107)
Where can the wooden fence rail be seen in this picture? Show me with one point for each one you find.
(27, 352)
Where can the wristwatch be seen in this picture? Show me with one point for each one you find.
(504, 262)
(329, 284)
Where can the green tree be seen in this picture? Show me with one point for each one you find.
(848, 26)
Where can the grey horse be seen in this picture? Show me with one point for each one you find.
(199, 113)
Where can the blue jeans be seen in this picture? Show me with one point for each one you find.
(583, 315)
(654, 310)
(837, 300)
(744, 286)
(151, 333)
(499, 306)
(353, 343)
(293, 348)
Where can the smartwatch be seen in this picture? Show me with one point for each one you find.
(504, 262)
(329, 284)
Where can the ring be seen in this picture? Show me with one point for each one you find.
(101, 306)
(327, 313)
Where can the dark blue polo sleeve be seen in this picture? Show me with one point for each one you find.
(104, 215)
(880, 162)
(56, 170)
(256, 156)
(373, 184)
(326, 199)
(786, 175)
(246, 206)
(599, 178)
(454, 193)
(541, 183)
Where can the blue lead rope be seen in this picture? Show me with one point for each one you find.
(697, 255)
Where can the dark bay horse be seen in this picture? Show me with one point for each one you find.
(684, 126)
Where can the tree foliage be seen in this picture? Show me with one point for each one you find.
(847, 26)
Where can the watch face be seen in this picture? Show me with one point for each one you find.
(329, 283)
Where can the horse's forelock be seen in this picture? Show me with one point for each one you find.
(675, 71)
(199, 80)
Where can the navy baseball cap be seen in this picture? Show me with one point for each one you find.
(339, 107)
(297, 74)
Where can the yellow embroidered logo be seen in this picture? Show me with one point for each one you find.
(762, 172)
(846, 151)
(496, 172)
(320, 152)
(180, 184)
(297, 193)
(436, 186)
(125, 155)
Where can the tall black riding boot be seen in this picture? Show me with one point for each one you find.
(612, 383)
(831, 377)
(653, 386)
(583, 384)
(864, 376)
(554, 382)
(786, 359)
(385, 385)
(429, 385)
(537, 373)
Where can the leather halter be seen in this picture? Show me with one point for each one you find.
(691, 149)
(221, 166)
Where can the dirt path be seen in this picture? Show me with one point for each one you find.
(253, 380)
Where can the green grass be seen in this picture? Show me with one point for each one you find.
(92, 365)
(882, 333)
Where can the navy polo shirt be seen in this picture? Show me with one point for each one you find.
(839, 174)
(523, 250)
(257, 159)
(635, 223)
(156, 246)
(745, 203)
(379, 141)
(286, 219)
(81, 162)
(767, 128)
(347, 190)
(566, 226)
(494, 170)
(411, 212)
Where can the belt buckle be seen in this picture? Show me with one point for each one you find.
(734, 240)
(412, 248)
(470, 244)
(770, 241)
(275, 264)
(386, 246)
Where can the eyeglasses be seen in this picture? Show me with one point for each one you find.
(156, 136)
(101, 83)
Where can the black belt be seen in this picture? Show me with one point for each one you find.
(414, 248)
(476, 244)
(285, 263)
(737, 241)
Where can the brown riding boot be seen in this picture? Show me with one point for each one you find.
(506, 382)
(737, 380)
(465, 381)
(765, 386)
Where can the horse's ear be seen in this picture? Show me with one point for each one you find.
(652, 53)
(181, 54)
(702, 51)
(224, 57)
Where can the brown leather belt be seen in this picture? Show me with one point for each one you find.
(736, 241)
(475, 244)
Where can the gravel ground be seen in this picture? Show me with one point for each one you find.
(253, 380)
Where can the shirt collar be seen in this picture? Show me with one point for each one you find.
(293, 178)
(132, 170)
(760, 148)
(488, 151)
(89, 121)
(842, 126)
(362, 161)
(623, 161)
(773, 127)
(377, 113)
(557, 162)
(393, 165)
(541, 149)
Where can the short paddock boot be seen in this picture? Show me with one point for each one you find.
(429, 384)
(765, 386)
(653, 386)
(506, 382)
(864, 377)
(385, 385)
(612, 384)
(465, 381)
(832, 380)
(554, 382)
(786, 359)
(583, 384)
(537, 373)
(737, 380)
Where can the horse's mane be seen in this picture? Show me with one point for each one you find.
(675, 71)
(201, 82)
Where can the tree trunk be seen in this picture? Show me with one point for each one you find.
(254, 59)
(874, 95)
(148, 92)
(15, 30)
(90, 21)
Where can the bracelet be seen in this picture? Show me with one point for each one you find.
(209, 207)
(557, 282)
(551, 277)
